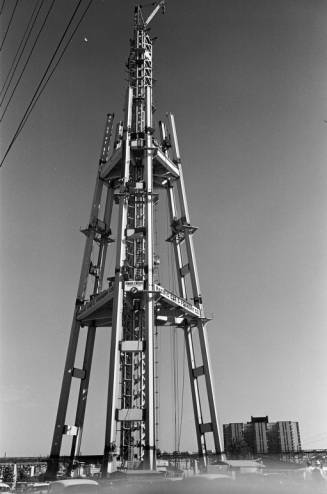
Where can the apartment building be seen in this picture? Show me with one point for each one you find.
(259, 436)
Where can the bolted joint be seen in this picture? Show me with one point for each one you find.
(166, 143)
(147, 447)
(149, 130)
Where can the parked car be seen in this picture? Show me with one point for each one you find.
(4, 487)
(37, 488)
(74, 486)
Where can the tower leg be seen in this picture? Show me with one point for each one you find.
(74, 336)
(83, 391)
(69, 370)
(209, 385)
(205, 368)
(116, 331)
(110, 445)
(149, 449)
(198, 419)
(63, 400)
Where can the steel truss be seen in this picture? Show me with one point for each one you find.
(130, 171)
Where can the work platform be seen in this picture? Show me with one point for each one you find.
(169, 308)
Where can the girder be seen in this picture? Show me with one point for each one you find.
(163, 167)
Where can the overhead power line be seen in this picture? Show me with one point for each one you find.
(46, 77)
(28, 59)
(18, 56)
(58, 61)
(9, 24)
(2, 6)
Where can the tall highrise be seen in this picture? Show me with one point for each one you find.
(259, 436)
(289, 436)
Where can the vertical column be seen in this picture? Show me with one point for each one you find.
(75, 329)
(118, 291)
(198, 420)
(83, 391)
(104, 240)
(202, 449)
(177, 247)
(149, 450)
(195, 286)
(89, 346)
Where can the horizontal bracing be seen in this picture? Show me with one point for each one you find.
(130, 414)
(162, 165)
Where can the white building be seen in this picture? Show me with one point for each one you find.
(261, 437)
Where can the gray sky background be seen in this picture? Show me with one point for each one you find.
(246, 80)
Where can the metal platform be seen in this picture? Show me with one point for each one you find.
(170, 309)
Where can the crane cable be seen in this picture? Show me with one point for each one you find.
(39, 90)
(27, 34)
(9, 24)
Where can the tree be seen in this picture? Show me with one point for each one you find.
(22, 475)
(8, 475)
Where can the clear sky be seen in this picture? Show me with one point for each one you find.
(246, 80)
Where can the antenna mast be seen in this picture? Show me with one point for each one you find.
(132, 171)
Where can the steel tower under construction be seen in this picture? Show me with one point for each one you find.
(140, 161)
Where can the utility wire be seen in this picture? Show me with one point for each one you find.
(2, 6)
(28, 59)
(9, 24)
(28, 32)
(58, 61)
(39, 91)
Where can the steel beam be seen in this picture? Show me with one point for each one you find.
(163, 160)
(149, 449)
(116, 331)
(177, 247)
(83, 391)
(107, 167)
(195, 286)
(75, 328)
(196, 401)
